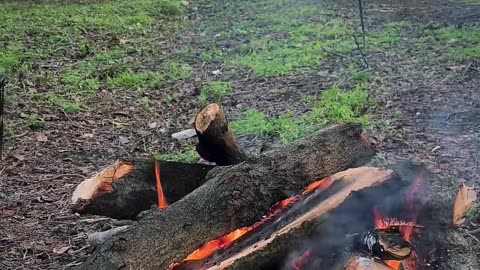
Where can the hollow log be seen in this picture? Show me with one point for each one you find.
(233, 197)
(216, 142)
(126, 188)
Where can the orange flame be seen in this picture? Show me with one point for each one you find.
(162, 201)
(405, 227)
(226, 241)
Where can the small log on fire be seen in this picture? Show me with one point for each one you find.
(216, 142)
(385, 244)
(126, 188)
(233, 197)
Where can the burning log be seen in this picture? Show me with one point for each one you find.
(216, 142)
(258, 249)
(386, 244)
(232, 198)
(126, 188)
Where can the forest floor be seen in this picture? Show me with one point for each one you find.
(93, 81)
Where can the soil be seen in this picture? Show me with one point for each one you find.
(435, 121)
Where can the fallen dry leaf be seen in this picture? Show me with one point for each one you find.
(41, 137)
(122, 41)
(465, 198)
(61, 250)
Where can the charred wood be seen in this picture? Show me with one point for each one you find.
(232, 198)
(126, 188)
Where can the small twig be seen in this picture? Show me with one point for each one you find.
(364, 57)
(471, 235)
(474, 231)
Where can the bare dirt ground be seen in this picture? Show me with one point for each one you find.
(432, 107)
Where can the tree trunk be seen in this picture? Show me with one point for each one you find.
(126, 188)
(216, 142)
(233, 197)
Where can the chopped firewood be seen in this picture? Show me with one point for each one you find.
(386, 244)
(466, 196)
(216, 142)
(233, 197)
(126, 188)
(362, 263)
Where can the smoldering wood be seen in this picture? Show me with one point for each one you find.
(136, 191)
(385, 244)
(216, 141)
(318, 220)
(233, 197)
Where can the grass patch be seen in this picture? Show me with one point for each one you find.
(463, 43)
(214, 92)
(334, 106)
(189, 156)
(138, 81)
(303, 47)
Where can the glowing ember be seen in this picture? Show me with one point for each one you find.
(228, 240)
(162, 201)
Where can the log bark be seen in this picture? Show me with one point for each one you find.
(126, 188)
(233, 197)
(216, 142)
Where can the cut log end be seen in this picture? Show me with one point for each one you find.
(216, 141)
(101, 183)
(206, 116)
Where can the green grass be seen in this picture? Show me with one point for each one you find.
(303, 46)
(334, 106)
(137, 80)
(214, 91)
(189, 156)
(91, 46)
(462, 43)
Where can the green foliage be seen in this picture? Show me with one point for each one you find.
(178, 70)
(34, 122)
(170, 7)
(303, 47)
(214, 91)
(334, 106)
(463, 43)
(66, 105)
(139, 81)
(189, 156)
(76, 79)
(389, 35)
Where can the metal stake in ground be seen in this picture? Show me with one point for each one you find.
(2, 103)
(360, 7)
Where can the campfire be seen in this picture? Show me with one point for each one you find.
(341, 216)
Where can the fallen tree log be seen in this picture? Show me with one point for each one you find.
(233, 197)
(216, 142)
(126, 188)
(273, 241)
